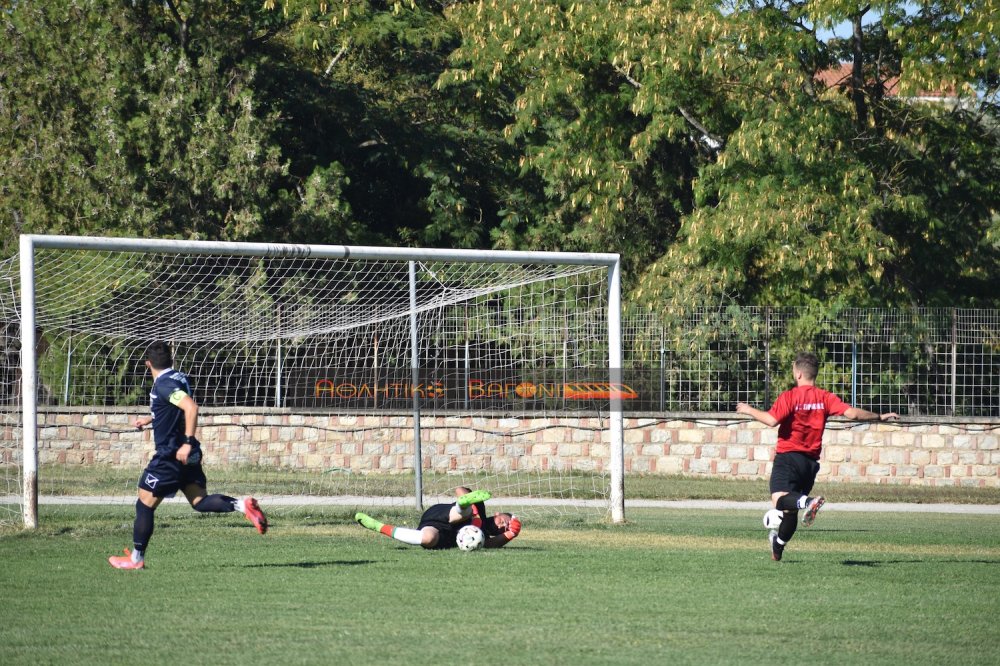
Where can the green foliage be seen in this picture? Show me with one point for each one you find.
(695, 138)
(116, 126)
(843, 195)
(145, 121)
(604, 166)
(418, 168)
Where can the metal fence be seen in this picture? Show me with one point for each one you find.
(932, 362)
(921, 361)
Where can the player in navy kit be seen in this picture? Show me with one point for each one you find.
(176, 465)
(440, 523)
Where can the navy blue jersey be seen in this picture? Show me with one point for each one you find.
(168, 419)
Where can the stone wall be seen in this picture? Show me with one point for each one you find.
(923, 451)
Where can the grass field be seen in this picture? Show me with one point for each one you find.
(679, 587)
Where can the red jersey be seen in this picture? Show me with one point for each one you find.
(801, 414)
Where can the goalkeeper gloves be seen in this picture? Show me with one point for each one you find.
(513, 528)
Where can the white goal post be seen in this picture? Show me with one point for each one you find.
(482, 334)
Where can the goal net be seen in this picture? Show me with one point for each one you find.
(360, 377)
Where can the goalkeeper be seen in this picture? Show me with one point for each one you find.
(440, 523)
(176, 465)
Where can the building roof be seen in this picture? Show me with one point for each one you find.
(840, 77)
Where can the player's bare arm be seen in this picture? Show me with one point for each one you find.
(757, 414)
(858, 414)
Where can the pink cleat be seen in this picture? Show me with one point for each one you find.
(253, 513)
(126, 561)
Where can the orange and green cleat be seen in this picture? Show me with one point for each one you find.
(367, 521)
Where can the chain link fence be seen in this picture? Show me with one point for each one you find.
(923, 361)
(918, 362)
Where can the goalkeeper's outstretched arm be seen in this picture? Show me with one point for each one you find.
(510, 526)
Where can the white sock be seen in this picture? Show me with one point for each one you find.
(803, 502)
(137, 555)
(241, 505)
(407, 535)
(463, 511)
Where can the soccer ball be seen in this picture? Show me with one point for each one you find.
(772, 519)
(470, 537)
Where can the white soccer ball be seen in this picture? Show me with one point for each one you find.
(772, 519)
(470, 537)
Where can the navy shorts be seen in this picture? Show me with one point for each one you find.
(793, 473)
(437, 517)
(165, 476)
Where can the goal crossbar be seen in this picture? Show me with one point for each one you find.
(359, 252)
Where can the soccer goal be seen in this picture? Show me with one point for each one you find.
(355, 376)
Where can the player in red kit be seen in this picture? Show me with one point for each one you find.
(800, 415)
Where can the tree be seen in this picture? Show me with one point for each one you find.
(144, 119)
(704, 142)
(700, 137)
(421, 169)
(848, 194)
(606, 163)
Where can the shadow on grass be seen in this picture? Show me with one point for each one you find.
(878, 563)
(305, 565)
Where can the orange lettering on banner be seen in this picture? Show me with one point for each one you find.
(547, 390)
(323, 386)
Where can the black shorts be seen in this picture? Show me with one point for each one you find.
(165, 476)
(437, 517)
(793, 473)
